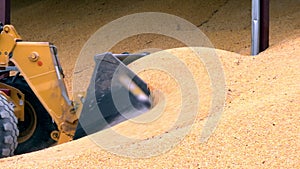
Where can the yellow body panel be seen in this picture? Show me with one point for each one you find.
(40, 77)
(17, 97)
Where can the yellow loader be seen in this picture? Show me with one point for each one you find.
(35, 109)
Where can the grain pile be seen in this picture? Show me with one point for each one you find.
(259, 126)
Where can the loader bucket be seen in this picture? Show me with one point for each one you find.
(114, 95)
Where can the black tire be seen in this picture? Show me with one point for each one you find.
(37, 120)
(8, 129)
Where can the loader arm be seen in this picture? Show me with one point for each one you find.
(38, 64)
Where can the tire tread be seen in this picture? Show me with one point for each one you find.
(9, 130)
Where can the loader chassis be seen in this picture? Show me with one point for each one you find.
(38, 64)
